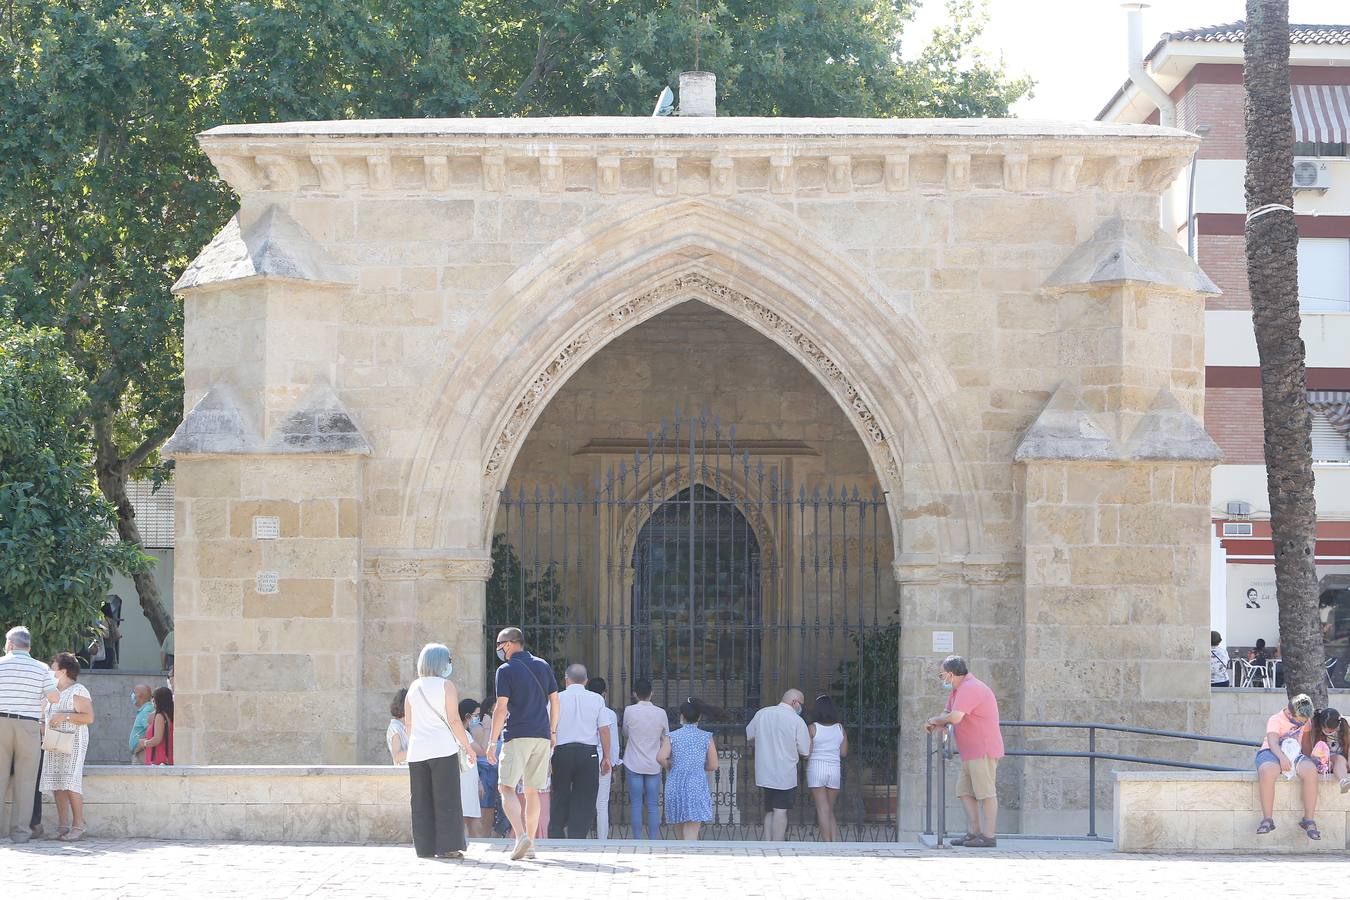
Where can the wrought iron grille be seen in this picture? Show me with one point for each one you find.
(696, 563)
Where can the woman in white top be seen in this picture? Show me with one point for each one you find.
(829, 745)
(63, 773)
(436, 738)
(396, 735)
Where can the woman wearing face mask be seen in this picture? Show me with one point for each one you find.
(436, 738)
(470, 795)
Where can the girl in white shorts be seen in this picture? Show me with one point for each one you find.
(829, 744)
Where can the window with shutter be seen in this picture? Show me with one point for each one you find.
(1328, 443)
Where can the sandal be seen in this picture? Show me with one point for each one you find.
(1310, 826)
(61, 832)
(1266, 826)
(76, 833)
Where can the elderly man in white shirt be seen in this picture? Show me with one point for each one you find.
(582, 738)
(24, 684)
(781, 739)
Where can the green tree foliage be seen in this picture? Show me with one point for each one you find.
(105, 196)
(518, 596)
(55, 557)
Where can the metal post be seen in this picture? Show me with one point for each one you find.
(942, 790)
(927, 784)
(1092, 783)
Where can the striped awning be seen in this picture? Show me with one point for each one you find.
(1321, 113)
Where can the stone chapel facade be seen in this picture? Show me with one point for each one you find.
(979, 319)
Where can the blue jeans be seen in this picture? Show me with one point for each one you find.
(648, 788)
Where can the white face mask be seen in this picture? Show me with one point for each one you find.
(449, 667)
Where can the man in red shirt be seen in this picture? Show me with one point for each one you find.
(973, 712)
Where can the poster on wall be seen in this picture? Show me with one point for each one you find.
(1252, 612)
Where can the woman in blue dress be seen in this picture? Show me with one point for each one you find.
(689, 754)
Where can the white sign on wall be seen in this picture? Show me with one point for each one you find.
(266, 528)
(944, 642)
(266, 582)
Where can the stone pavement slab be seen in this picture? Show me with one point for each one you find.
(136, 868)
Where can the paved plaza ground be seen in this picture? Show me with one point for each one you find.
(139, 868)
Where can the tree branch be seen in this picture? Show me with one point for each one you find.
(153, 441)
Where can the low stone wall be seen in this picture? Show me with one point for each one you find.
(333, 804)
(1217, 812)
(110, 690)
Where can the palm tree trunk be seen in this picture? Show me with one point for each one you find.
(1272, 275)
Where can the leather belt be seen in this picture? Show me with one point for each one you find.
(5, 715)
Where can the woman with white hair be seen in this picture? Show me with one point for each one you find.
(436, 743)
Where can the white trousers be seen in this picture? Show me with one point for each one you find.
(602, 807)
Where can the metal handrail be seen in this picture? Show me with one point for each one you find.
(945, 752)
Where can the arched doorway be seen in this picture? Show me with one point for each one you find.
(726, 557)
(698, 600)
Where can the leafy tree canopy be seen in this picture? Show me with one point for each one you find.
(56, 560)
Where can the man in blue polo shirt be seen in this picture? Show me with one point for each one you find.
(527, 705)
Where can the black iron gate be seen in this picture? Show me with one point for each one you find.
(697, 563)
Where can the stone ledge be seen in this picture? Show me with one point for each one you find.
(323, 804)
(1217, 812)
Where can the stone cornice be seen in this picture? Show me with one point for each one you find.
(717, 157)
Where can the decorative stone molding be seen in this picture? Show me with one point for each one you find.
(958, 171)
(1065, 175)
(1015, 172)
(329, 168)
(897, 172)
(839, 178)
(600, 332)
(722, 173)
(437, 172)
(665, 176)
(1121, 173)
(550, 174)
(380, 173)
(321, 152)
(238, 172)
(494, 173)
(397, 567)
(607, 174)
(279, 173)
(780, 174)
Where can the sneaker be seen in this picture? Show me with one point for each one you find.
(522, 847)
(1345, 784)
(529, 853)
(980, 840)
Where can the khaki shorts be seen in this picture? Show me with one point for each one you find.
(524, 759)
(977, 778)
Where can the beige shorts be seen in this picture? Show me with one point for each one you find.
(524, 759)
(978, 777)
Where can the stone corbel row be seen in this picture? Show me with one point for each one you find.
(279, 172)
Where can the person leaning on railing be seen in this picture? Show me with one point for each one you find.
(972, 710)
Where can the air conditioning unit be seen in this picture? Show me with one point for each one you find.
(1311, 175)
(1237, 529)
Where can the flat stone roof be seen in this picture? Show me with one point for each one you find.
(674, 126)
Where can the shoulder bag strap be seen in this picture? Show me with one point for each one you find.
(462, 749)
